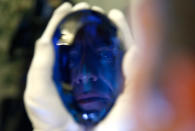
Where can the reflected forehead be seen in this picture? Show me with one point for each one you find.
(97, 44)
(103, 47)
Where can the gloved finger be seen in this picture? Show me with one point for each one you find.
(46, 60)
(98, 9)
(80, 6)
(41, 98)
(58, 15)
(42, 101)
(119, 19)
(130, 63)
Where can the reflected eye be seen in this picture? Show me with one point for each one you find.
(106, 56)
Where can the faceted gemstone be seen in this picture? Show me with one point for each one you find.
(87, 69)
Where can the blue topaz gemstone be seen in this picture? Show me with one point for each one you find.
(87, 69)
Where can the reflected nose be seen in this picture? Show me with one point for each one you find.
(85, 78)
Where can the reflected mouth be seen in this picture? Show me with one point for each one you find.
(94, 102)
(91, 99)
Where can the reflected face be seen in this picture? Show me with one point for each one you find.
(89, 70)
(95, 73)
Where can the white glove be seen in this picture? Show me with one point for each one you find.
(42, 101)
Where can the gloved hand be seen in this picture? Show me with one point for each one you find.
(42, 101)
(120, 117)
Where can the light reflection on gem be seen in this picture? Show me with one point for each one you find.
(85, 116)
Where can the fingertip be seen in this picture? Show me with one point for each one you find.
(80, 6)
(66, 6)
(98, 9)
(115, 14)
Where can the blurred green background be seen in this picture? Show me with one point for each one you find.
(11, 12)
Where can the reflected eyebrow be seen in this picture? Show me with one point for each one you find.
(112, 49)
(105, 49)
